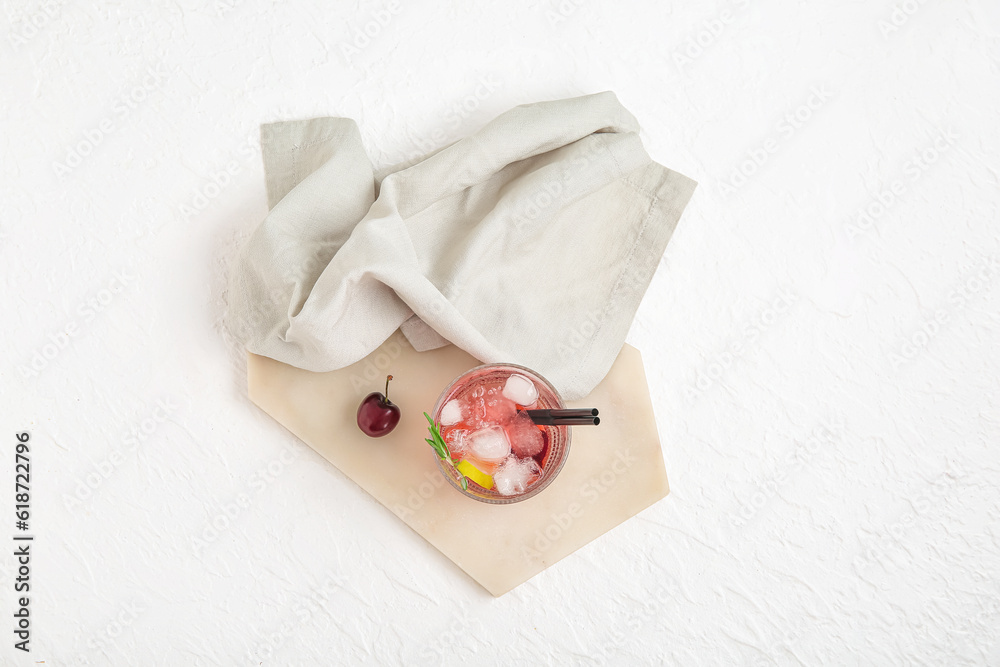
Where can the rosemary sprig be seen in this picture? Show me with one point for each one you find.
(441, 447)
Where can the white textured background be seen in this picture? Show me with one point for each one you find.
(826, 386)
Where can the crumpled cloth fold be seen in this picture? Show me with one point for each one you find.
(531, 241)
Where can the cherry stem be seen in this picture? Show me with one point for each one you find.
(387, 378)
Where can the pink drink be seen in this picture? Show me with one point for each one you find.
(504, 456)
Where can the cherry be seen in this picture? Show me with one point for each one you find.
(377, 415)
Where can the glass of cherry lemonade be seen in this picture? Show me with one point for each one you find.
(502, 454)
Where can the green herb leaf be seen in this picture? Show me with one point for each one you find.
(441, 447)
(437, 448)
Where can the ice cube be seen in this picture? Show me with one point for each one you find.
(487, 445)
(474, 411)
(499, 409)
(521, 390)
(515, 476)
(451, 413)
(483, 411)
(457, 441)
(525, 438)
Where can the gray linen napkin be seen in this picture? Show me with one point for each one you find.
(531, 241)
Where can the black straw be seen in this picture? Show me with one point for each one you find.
(567, 417)
(567, 412)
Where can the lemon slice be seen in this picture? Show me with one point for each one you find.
(475, 474)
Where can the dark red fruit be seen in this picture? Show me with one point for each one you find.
(377, 415)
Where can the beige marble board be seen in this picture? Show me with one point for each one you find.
(614, 470)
